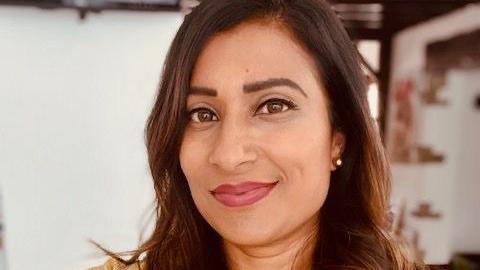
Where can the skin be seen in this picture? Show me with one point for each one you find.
(235, 139)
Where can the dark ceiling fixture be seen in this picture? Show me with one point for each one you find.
(368, 19)
(86, 6)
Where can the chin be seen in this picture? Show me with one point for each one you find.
(247, 231)
(249, 237)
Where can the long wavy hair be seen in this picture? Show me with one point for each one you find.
(353, 217)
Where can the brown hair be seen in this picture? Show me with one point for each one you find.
(353, 235)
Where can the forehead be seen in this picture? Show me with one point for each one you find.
(253, 51)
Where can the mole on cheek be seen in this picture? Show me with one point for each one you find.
(246, 70)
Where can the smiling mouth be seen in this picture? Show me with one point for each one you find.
(243, 194)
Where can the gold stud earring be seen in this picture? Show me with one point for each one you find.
(338, 162)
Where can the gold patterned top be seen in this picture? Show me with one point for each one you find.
(113, 264)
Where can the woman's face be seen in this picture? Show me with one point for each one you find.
(258, 150)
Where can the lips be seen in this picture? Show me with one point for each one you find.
(242, 194)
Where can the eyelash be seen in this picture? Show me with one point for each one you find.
(290, 105)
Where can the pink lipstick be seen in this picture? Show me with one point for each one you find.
(242, 194)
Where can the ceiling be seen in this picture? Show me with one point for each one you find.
(85, 6)
(368, 19)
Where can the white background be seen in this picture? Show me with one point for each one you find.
(74, 97)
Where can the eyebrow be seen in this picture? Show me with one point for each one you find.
(250, 87)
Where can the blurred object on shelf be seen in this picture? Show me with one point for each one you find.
(403, 121)
(425, 154)
(424, 210)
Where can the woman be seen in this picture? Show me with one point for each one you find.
(261, 147)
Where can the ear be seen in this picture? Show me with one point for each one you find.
(337, 147)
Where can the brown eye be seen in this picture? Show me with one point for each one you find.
(200, 115)
(276, 105)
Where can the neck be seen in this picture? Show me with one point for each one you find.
(292, 252)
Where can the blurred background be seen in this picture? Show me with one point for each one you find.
(78, 78)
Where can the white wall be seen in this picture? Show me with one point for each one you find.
(74, 97)
(445, 128)
(465, 234)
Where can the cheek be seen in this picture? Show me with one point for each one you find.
(187, 158)
(193, 165)
(192, 153)
(304, 142)
(190, 162)
(304, 158)
(309, 177)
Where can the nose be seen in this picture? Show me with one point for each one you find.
(234, 147)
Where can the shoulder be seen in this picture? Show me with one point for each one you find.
(113, 264)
